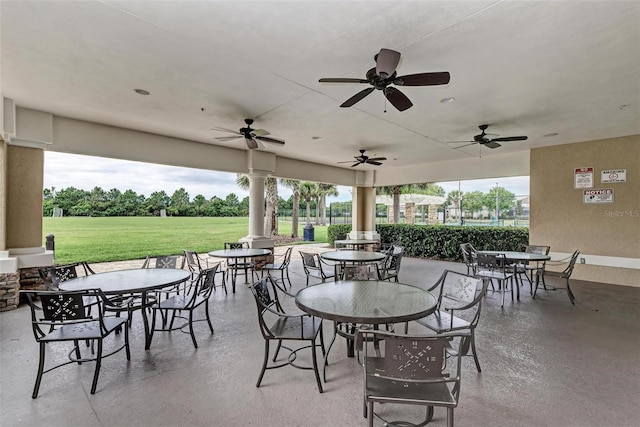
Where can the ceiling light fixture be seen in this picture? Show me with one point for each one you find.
(447, 100)
(141, 91)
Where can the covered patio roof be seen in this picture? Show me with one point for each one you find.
(556, 72)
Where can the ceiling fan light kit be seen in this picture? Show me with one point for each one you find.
(383, 75)
(362, 159)
(487, 142)
(253, 137)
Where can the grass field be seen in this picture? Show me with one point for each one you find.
(125, 238)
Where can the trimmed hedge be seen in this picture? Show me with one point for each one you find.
(440, 241)
(337, 232)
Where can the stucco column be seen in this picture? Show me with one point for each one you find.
(410, 213)
(256, 237)
(24, 185)
(363, 217)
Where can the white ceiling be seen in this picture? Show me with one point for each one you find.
(524, 67)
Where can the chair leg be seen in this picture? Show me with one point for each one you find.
(449, 417)
(78, 356)
(315, 365)
(370, 414)
(275, 356)
(473, 350)
(126, 342)
(206, 310)
(98, 364)
(570, 293)
(40, 371)
(153, 326)
(264, 363)
(288, 278)
(193, 336)
(322, 341)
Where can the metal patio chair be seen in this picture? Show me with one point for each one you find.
(63, 316)
(412, 370)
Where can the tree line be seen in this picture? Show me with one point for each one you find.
(101, 203)
(312, 196)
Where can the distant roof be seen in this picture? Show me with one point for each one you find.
(418, 199)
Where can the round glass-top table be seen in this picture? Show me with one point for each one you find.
(243, 253)
(525, 257)
(518, 256)
(356, 243)
(136, 281)
(369, 302)
(366, 301)
(353, 256)
(239, 253)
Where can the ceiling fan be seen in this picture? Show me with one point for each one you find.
(488, 142)
(361, 159)
(253, 137)
(384, 74)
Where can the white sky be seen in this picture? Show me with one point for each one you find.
(86, 172)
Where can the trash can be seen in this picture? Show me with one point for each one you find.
(308, 233)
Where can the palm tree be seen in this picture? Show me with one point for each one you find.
(317, 195)
(393, 190)
(294, 185)
(307, 193)
(326, 190)
(271, 197)
(271, 223)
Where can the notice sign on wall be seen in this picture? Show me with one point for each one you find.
(583, 178)
(614, 175)
(603, 195)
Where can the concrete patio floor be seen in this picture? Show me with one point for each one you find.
(544, 363)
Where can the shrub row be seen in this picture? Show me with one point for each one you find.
(442, 242)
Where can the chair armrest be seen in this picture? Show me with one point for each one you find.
(465, 307)
(281, 314)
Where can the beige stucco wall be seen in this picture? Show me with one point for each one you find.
(561, 219)
(24, 175)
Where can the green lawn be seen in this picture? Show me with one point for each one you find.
(124, 238)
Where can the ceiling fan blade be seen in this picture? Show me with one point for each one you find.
(423, 79)
(357, 97)
(510, 138)
(227, 138)
(386, 62)
(346, 161)
(341, 80)
(270, 139)
(376, 159)
(226, 130)
(492, 144)
(466, 145)
(397, 98)
(459, 142)
(373, 163)
(356, 164)
(251, 143)
(259, 132)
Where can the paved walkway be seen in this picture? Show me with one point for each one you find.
(279, 250)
